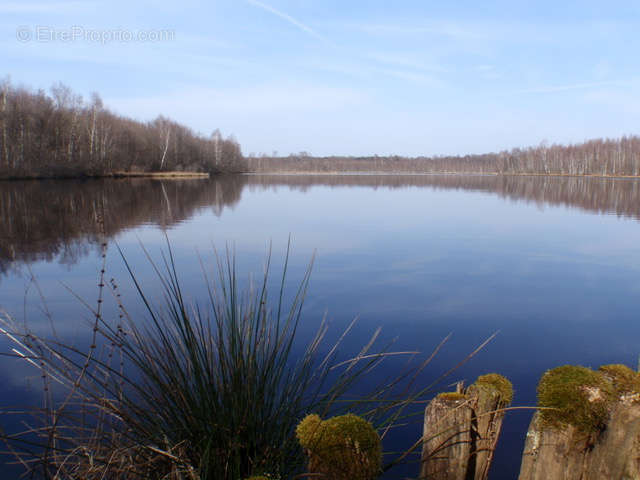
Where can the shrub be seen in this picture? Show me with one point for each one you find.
(194, 391)
(203, 391)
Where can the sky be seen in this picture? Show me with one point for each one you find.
(360, 77)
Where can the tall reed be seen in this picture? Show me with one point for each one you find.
(202, 391)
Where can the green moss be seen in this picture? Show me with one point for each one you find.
(499, 383)
(308, 428)
(623, 379)
(578, 396)
(452, 396)
(346, 447)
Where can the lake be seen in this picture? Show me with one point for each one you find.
(552, 264)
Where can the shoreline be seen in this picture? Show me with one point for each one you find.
(160, 174)
(481, 174)
(201, 175)
(151, 175)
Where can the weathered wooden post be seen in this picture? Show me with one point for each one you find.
(461, 430)
(446, 446)
(588, 427)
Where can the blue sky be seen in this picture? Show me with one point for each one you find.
(345, 77)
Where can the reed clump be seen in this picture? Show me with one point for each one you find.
(198, 391)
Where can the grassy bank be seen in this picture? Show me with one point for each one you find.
(159, 174)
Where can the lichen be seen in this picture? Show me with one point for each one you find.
(500, 384)
(451, 396)
(624, 380)
(575, 395)
(346, 447)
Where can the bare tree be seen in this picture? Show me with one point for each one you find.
(216, 137)
(4, 93)
(95, 106)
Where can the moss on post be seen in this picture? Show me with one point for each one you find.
(346, 447)
(624, 380)
(452, 396)
(575, 395)
(499, 384)
(591, 428)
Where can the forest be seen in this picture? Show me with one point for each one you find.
(599, 157)
(60, 134)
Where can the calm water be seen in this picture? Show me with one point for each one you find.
(551, 264)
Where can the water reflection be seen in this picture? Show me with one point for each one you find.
(620, 196)
(49, 220)
(58, 220)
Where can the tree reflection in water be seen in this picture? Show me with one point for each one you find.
(57, 219)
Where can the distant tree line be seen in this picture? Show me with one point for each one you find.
(61, 134)
(604, 157)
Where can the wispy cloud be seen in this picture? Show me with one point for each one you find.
(574, 86)
(50, 7)
(406, 61)
(619, 100)
(487, 72)
(415, 77)
(288, 18)
(243, 102)
(135, 56)
(442, 28)
(362, 70)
